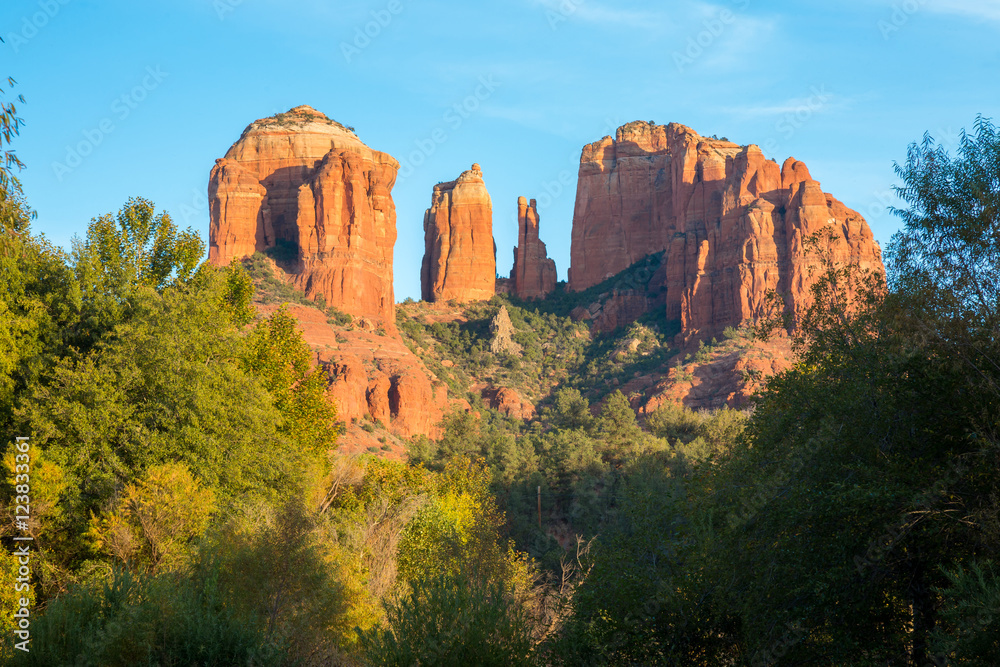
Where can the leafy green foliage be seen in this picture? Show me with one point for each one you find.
(650, 594)
(238, 297)
(10, 127)
(137, 247)
(451, 621)
(39, 306)
(169, 385)
(969, 632)
(131, 620)
(276, 353)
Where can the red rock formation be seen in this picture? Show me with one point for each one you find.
(306, 185)
(372, 376)
(733, 224)
(534, 274)
(509, 402)
(459, 254)
(235, 198)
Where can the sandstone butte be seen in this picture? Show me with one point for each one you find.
(731, 223)
(534, 274)
(306, 186)
(460, 261)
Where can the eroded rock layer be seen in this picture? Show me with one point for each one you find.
(306, 188)
(459, 252)
(372, 377)
(534, 274)
(732, 224)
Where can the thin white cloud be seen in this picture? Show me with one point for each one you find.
(988, 10)
(820, 99)
(730, 47)
(591, 11)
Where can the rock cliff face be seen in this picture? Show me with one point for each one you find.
(308, 188)
(459, 252)
(732, 224)
(372, 377)
(534, 274)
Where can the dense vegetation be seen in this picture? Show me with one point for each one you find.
(189, 506)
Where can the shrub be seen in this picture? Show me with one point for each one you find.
(128, 620)
(448, 620)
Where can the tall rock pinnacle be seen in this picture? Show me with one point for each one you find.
(459, 252)
(534, 274)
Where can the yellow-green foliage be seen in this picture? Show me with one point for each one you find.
(277, 354)
(238, 298)
(155, 520)
(46, 480)
(413, 523)
(457, 530)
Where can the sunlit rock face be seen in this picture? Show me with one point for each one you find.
(460, 261)
(732, 224)
(306, 188)
(534, 274)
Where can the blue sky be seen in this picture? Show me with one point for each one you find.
(156, 91)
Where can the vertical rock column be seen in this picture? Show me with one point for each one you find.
(534, 274)
(459, 252)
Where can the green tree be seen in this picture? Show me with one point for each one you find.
(886, 424)
(570, 410)
(969, 632)
(39, 306)
(456, 621)
(168, 385)
(156, 520)
(138, 247)
(238, 298)
(276, 354)
(10, 126)
(123, 253)
(127, 619)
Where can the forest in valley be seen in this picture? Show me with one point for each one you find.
(189, 505)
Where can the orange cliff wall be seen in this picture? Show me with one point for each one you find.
(308, 186)
(731, 223)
